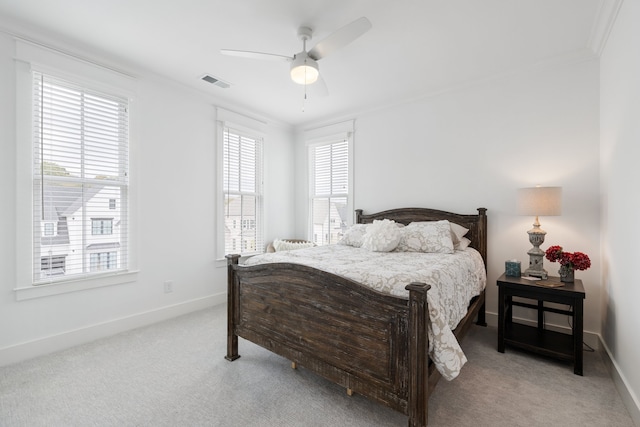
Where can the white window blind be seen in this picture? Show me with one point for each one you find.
(329, 191)
(80, 174)
(242, 193)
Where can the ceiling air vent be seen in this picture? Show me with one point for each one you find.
(215, 81)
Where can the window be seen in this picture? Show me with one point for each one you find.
(103, 261)
(49, 229)
(52, 265)
(329, 193)
(102, 226)
(242, 192)
(80, 179)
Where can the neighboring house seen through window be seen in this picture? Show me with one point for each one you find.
(80, 179)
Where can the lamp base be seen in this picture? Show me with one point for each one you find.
(536, 273)
(536, 255)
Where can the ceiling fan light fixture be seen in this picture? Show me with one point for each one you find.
(304, 70)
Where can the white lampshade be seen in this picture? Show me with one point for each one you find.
(304, 70)
(540, 201)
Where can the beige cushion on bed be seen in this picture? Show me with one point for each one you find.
(289, 245)
(457, 233)
(463, 244)
(381, 236)
(428, 236)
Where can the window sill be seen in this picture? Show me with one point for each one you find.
(39, 291)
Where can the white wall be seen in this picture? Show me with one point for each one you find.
(174, 189)
(473, 147)
(620, 141)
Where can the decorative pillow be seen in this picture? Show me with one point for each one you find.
(381, 236)
(354, 235)
(285, 245)
(429, 236)
(457, 233)
(463, 244)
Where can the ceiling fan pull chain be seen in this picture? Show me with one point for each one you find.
(304, 99)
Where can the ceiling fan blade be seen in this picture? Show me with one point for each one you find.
(340, 38)
(255, 55)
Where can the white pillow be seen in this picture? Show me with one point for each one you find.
(381, 236)
(354, 235)
(457, 232)
(429, 237)
(463, 244)
(284, 245)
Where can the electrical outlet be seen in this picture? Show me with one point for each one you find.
(168, 286)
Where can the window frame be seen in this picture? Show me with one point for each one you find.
(238, 223)
(30, 57)
(341, 132)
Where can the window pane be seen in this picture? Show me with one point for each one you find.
(248, 165)
(231, 153)
(242, 157)
(329, 219)
(339, 168)
(330, 168)
(80, 179)
(323, 170)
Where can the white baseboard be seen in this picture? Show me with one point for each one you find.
(630, 400)
(28, 350)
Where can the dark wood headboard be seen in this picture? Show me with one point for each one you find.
(477, 224)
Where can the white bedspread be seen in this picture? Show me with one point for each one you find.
(454, 279)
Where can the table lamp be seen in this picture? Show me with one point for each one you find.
(538, 201)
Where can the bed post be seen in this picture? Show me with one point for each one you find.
(482, 237)
(358, 216)
(232, 338)
(418, 355)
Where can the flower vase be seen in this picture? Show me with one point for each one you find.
(566, 274)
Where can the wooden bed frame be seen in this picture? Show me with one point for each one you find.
(370, 343)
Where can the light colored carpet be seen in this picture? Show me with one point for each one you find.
(174, 374)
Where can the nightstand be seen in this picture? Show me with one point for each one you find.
(538, 339)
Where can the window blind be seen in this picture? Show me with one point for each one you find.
(242, 188)
(329, 191)
(80, 180)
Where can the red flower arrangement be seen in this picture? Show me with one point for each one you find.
(576, 260)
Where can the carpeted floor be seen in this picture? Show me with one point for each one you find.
(174, 374)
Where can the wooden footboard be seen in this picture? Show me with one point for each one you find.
(346, 332)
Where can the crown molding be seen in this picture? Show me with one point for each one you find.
(603, 24)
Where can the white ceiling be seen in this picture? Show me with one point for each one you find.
(415, 47)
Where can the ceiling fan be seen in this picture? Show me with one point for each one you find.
(304, 65)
